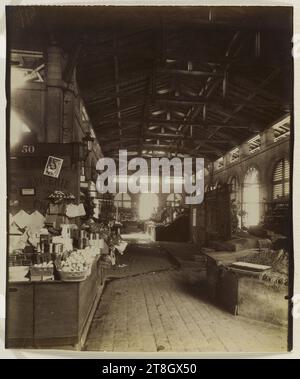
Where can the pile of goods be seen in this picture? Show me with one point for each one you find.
(104, 233)
(127, 215)
(58, 196)
(277, 259)
(41, 271)
(55, 247)
(42, 268)
(74, 266)
(62, 209)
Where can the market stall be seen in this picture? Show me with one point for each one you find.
(165, 228)
(57, 265)
(52, 313)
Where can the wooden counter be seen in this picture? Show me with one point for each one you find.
(52, 314)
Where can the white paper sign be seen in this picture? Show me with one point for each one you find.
(81, 210)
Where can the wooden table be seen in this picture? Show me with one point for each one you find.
(52, 313)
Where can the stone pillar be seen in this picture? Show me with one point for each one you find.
(54, 102)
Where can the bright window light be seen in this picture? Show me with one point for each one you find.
(17, 129)
(251, 198)
(148, 203)
(18, 78)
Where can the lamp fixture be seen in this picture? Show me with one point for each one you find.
(88, 143)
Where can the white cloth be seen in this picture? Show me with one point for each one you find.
(14, 229)
(11, 219)
(35, 221)
(21, 219)
(81, 210)
(72, 210)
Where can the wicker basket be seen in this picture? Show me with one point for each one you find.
(74, 276)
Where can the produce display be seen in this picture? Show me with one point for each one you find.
(74, 263)
(58, 196)
(63, 250)
(75, 267)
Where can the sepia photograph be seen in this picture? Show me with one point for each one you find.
(149, 178)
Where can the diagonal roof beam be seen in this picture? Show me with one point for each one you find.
(225, 69)
(264, 83)
(194, 111)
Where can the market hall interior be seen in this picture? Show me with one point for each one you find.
(153, 271)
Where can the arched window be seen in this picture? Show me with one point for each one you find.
(281, 179)
(174, 200)
(251, 195)
(235, 204)
(122, 200)
(148, 203)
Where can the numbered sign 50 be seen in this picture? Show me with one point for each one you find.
(28, 149)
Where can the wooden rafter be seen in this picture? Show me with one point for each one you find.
(249, 98)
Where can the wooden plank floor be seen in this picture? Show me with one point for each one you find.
(155, 307)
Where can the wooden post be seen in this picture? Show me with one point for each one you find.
(54, 102)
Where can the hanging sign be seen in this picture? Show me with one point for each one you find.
(53, 166)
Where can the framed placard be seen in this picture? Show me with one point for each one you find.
(27, 191)
(53, 166)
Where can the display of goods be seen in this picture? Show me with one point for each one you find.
(42, 269)
(58, 196)
(113, 241)
(94, 227)
(106, 260)
(75, 262)
(17, 258)
(75, 266)
(121, 246)
(21, 258)
(92, 252)
(278, 260)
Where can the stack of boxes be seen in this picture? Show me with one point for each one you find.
(56, 214)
